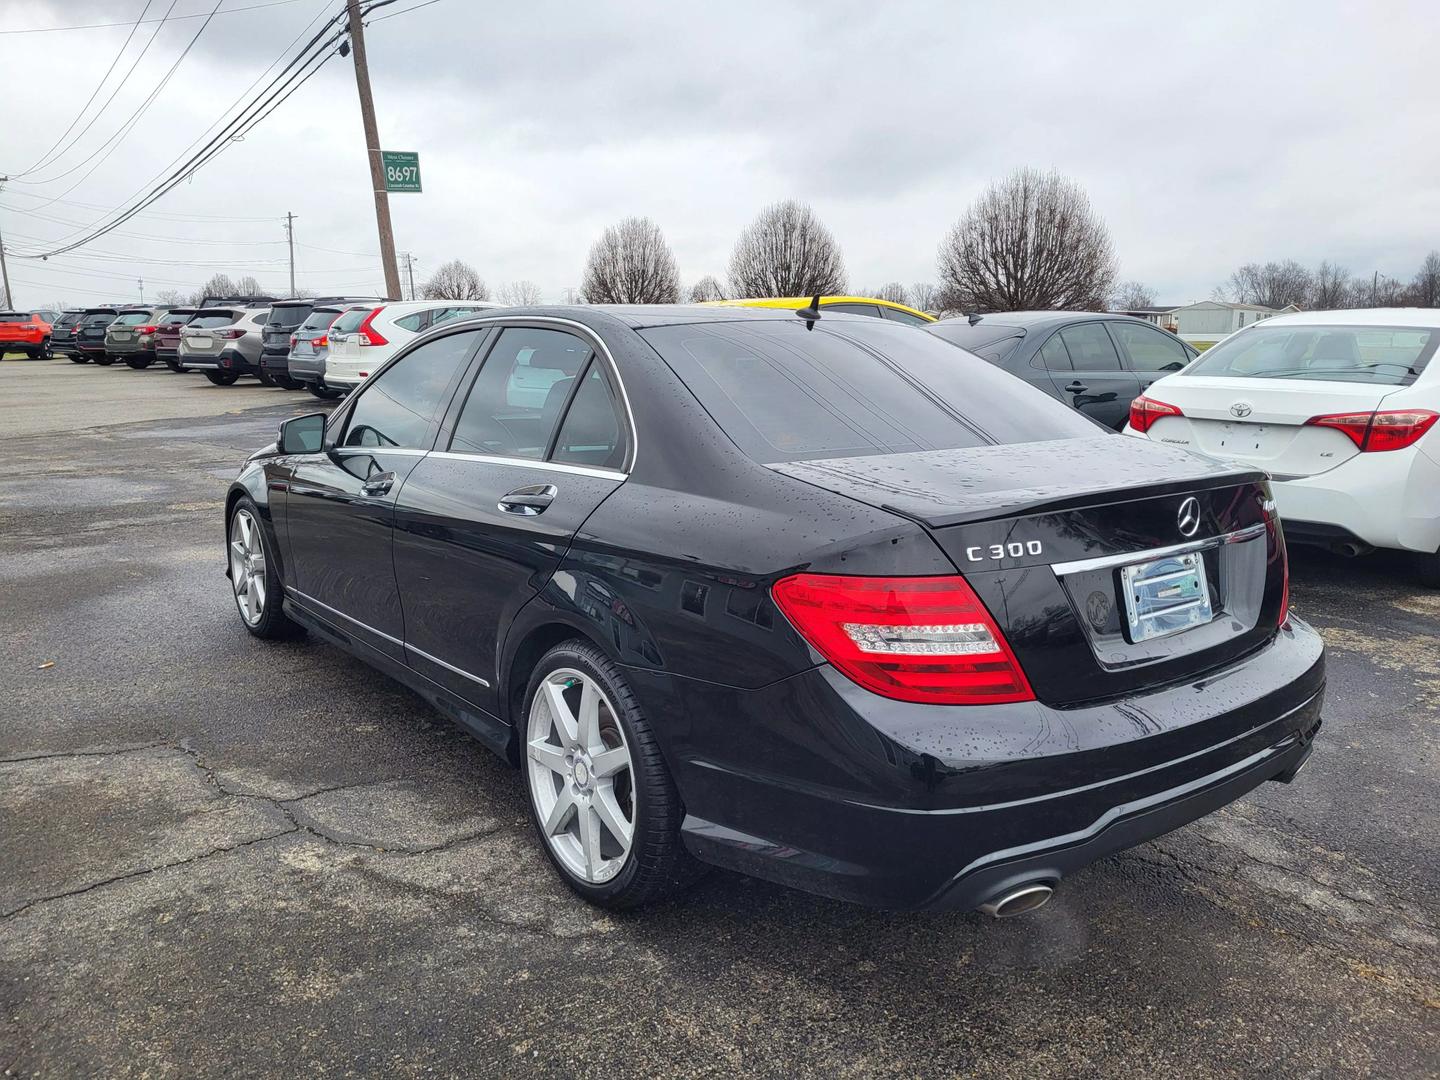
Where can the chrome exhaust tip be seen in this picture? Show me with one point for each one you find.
(1018, 901)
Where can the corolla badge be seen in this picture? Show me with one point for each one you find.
(1241, 409)
(1189, 517)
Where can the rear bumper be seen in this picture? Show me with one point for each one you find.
(816, 784)
(307, 368)
(20, 346)
(1387, 500)
(226, 360)
(129, 348)
(278, 363)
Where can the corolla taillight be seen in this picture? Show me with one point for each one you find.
(1144, 411)
(921, 639)
(1394, 429)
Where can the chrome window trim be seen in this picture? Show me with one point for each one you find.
(1106, 562)
(594, 339)
(533, 463)
(355, 451)
(448, 667)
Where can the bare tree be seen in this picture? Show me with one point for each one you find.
(1329, 287)
(631, 264)
(924, 296)
(1031, 241)
(523, 293)
(1274, 285)
(892, 291)
(707, 288)
(248, 286)
(172, 298)
(455, 280)
(1132, 296)
(218, 285)
(1378, 290)
(786, 251)
(1426, 286)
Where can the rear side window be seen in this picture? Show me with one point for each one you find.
(784, 394)
(591, 433)
(1148, 349)
(414, 322)
(896, 315)
(1054, 356)
(516, 400)
(1090, 347)
(872, 310)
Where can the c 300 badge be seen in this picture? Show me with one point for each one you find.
(1013, 550)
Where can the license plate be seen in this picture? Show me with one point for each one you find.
(204, 340)
(1166, 595)
(123, 336)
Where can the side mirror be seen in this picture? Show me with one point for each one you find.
(303, 434)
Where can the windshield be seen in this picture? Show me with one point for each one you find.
(1379, 355)
(783, 393)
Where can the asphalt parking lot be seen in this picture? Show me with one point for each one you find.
(221, 857)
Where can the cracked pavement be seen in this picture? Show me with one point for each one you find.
(221, 857)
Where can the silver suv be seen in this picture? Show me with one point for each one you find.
(224, 343)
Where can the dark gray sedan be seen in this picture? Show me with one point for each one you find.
(1096, 362)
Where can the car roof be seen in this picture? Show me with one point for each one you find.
(794, 303)
(641, 316)
(1029, 319)
(1423, 317)
(404, 307)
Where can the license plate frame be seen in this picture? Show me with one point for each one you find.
(1166, 596)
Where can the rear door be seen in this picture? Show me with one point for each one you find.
(482, 523)
(1095, 382)
(1250, 398)
(340, 503)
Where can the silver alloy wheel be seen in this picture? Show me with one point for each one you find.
(580, 775)
(247, 566)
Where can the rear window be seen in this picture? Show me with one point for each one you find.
(175, 318)
(351, 320)
(318, 320)
(783, 393)
(207, 320)
(992, 341)
(68, 319)
(132, 318)
(1378, 355)
(288, 316)
(101, 319)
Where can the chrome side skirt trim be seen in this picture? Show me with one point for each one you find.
(297, 594)
(1105, 562)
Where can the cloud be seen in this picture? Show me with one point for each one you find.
(1207, 136)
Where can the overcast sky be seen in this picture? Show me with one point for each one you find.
(1207, 135)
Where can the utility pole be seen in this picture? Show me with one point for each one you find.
(290, 237)
(4, 271)
(141, 282)
(372, 149)
(410, 269)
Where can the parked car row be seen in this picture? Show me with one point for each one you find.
(327, 345)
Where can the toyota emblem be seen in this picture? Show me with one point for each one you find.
(1241, 409)
(1189, 516)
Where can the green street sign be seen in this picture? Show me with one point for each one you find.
(402, 170)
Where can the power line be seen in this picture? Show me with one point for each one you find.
(125, 45)
(100, 26)
(144, 213)
(402, 11)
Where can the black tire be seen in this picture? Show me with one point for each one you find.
(324, 393)
(103, 359)
(657, 866)
(174, 365)
(76, 358)
(139, 363)
(285, 382)
(1428, 570)
(266, 379)
(221, 378)
(44, 352)
(272, 623)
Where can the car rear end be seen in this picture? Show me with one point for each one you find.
(131, 337)
(21, 332)
(359, 342)
(1084, 642)
(90, 334)
(310, 344)
(167, 335)
(207, 335)
(1338, 408)
(286, 316)
(62, 333)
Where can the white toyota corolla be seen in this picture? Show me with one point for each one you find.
(1339, 407)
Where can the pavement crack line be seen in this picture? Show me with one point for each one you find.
(41, 756)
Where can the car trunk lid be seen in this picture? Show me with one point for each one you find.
(1263, 422)
(1111, 564)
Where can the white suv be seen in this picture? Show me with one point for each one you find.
(363, 339)
(1339, 407)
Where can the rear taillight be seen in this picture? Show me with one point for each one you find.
(923, 639)
(1277, 546)
(230, 333)
(368, 334)
(1145, 411)
(319, 342)
(292, 341)
(1379, 431)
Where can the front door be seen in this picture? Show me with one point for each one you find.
(534, 447)
(340, 507)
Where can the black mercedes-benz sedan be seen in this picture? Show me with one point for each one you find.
(827, 601)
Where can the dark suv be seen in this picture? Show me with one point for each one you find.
(90, 334)
(1095, 362)
(62, 334)
(286, 317)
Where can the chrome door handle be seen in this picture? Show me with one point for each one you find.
(529, 500)
(379, 484)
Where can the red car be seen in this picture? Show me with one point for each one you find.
(27, 332)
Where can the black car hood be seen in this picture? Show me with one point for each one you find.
(951, 487)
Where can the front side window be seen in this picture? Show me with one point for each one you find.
(591, 433)
(1380, 355)
(1090, 347)
(397, 407)
(516, 400)
(1150, 350)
